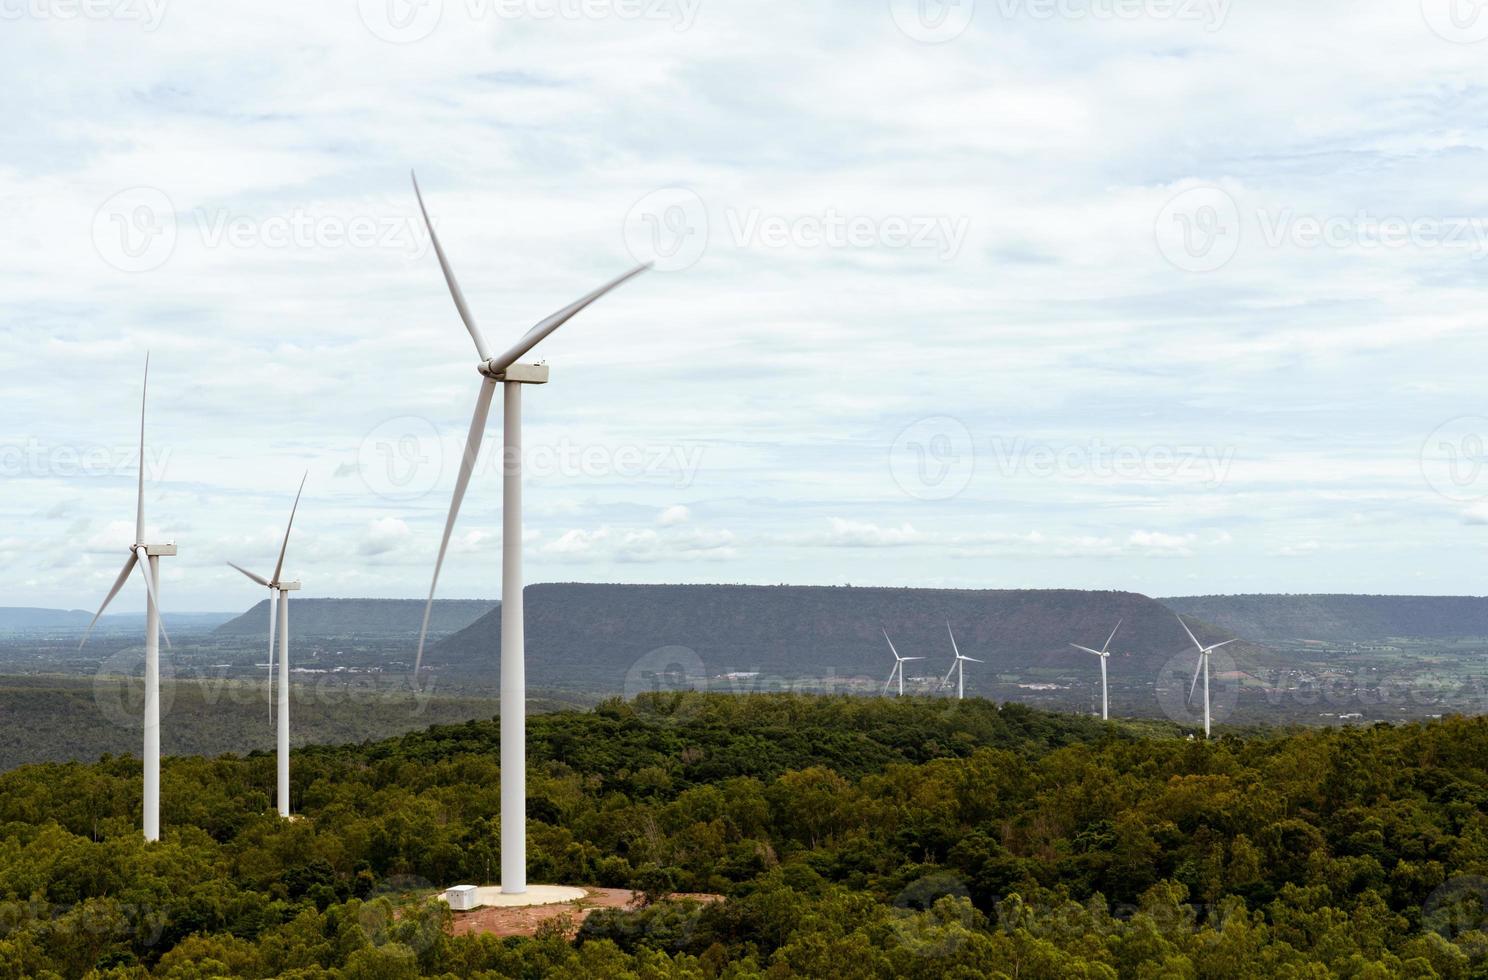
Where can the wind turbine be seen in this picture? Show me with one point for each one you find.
(279, 597)
(1203, 666)
(958, 667)
(899, 663)
(504, 370)
(147, 557)
(1104, 656)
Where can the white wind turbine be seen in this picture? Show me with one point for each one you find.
(147, 557)
(1203, 666)
(1104, 654)
(958, 667)
(899, 663)
(279, 598)
(504, 370)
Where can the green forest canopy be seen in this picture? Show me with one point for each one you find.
(853, 838)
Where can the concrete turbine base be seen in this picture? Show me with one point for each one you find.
(494, 897)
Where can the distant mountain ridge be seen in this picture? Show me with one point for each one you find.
(25, 619)
(602, 634)
(1339, 618)
(350, 617)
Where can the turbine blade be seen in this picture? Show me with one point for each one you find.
(907, 659)
(273, 638)
(449, 278)
(972, 660)
(1111, 637)
(953, 640)
(1087, 649)
(947, 679)
(118, 584)
(1190, 633)
(544, 327)
(1195, 685)
(257, 578)
(891, 646)
(467, 464)
(1224, 644)
(144, 567)
(889, 681)
(279, 568)
(139, 500)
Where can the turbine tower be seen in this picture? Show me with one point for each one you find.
(279, 591)
(899, 663)
(504, 370)
(147, 557)
(1104, 654)
(1203, 666)
(958, 667)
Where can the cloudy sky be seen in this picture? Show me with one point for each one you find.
(1165, 295)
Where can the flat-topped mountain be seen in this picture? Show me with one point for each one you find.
(1339, 618)
(351, 617)
(598, 634)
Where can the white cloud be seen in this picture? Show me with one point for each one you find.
(674, 515)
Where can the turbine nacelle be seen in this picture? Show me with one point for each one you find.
(522, 374)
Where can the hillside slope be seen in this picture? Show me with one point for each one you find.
(1339, 618)
(350, 617)
(599, 633)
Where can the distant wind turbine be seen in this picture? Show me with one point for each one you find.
(279, 598)
(899, 663)
(958, 667)
(147, 557)
(1203, 666)
(1104, 655)
(504, 370)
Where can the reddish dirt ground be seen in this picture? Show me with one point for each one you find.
(525, 921)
